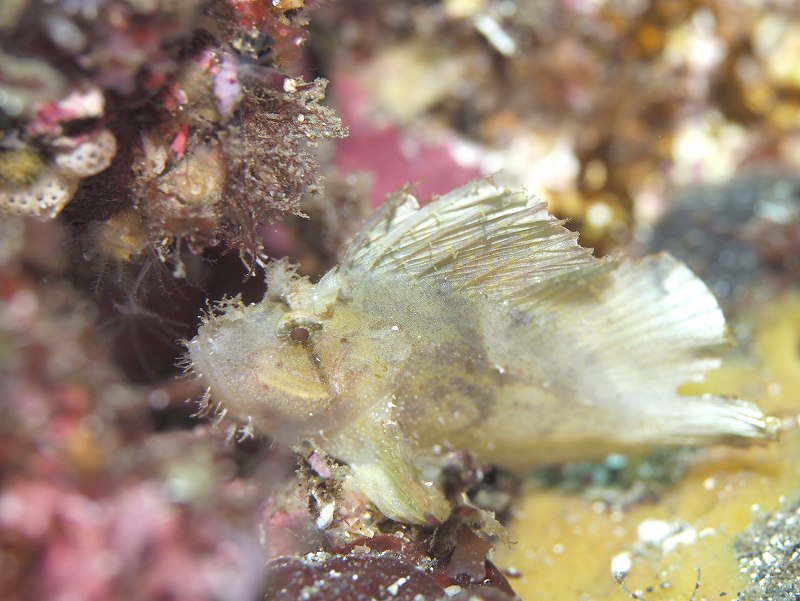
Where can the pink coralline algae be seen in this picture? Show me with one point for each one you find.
(398, 157)
(95, 505)
(97, 548)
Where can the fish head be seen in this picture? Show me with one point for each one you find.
(298, 364)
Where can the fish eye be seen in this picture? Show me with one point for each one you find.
(298, 329)
(299, 334)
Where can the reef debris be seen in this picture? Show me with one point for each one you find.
(769, 554)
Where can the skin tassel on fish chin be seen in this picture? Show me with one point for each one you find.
(476, 322)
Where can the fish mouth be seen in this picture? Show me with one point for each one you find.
(299, 387)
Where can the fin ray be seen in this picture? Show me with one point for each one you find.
(639, 331)
(481, 239)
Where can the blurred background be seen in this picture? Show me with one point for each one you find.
(153, 152)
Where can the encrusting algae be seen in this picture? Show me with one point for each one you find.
(478, 323)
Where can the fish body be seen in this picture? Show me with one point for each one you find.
(475, 323)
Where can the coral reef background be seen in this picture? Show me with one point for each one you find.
(153, 152)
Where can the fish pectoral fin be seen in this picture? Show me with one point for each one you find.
(384, 473)
(399, 495)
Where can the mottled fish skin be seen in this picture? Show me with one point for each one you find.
(477, 323)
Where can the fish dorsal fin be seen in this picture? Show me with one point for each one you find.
(479, 238)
